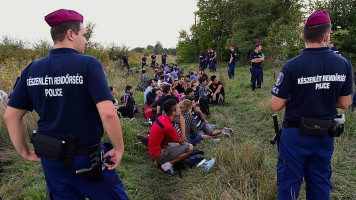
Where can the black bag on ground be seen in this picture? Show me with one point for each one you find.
(314, 127)
(192, 161)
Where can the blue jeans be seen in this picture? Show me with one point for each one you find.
(195, 140)
(304, 156)
(64, 184)
(231, 71)
(256, 75)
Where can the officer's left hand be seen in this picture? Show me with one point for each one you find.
(115, 157)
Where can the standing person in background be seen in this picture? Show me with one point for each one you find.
(307, 140)
(164, 58)
(71, 113)
(125, 61)
(207, 59)
(334, 49)
(202, 60)
(232, 62)
(144, 59)
(212, 61)
(153, 60)
(256, 58)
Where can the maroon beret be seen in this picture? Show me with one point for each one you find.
(319, 17)
(211, 49)
(258, 44)
(232, 45)
(61, 16)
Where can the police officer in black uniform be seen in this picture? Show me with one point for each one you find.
(125, 61)
(164, 58)
(70, 94)
(153, 60)
(310, 87)
(144, 61)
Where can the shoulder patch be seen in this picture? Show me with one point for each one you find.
(279, 79)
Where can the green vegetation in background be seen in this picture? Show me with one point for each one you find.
(276, 23)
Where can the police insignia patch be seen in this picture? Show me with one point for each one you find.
(279, 79)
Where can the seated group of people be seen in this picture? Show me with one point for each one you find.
(173, 134)
(178, 123)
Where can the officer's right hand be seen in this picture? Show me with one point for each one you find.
(31, 156)
(115, 157)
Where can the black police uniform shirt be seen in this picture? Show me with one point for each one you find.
(255, 55)
(64, 88)
(233, 55)
(153, 57)
(312, 83)
(124, 59)
(213, 58)
(164, 57)
(202, 56)
(144, 60)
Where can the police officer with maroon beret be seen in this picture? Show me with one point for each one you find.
(70, 94)
(256, 58)
(310, 87)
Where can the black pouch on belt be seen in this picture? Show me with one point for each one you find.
(314, 127)
(49, 147)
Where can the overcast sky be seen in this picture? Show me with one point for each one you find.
(134, 23)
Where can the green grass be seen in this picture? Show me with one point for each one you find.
(245, 163)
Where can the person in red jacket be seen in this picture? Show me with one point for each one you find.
(163, 132)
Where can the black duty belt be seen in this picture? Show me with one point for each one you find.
(253, 67)
(291, 124)
(88, 150)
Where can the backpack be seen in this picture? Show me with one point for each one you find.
(192, 161)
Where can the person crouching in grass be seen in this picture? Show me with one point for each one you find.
(162, 132)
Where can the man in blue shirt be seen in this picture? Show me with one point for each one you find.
(125, 61)
(256, 58)
(232, 62)
(152, 84)
(310, 87)
(71, 96)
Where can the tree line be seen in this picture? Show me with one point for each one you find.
(276, 23)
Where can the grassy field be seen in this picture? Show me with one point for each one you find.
(245, 163)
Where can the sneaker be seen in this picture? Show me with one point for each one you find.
(225, 134)
(228, 130)
(170, 172)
